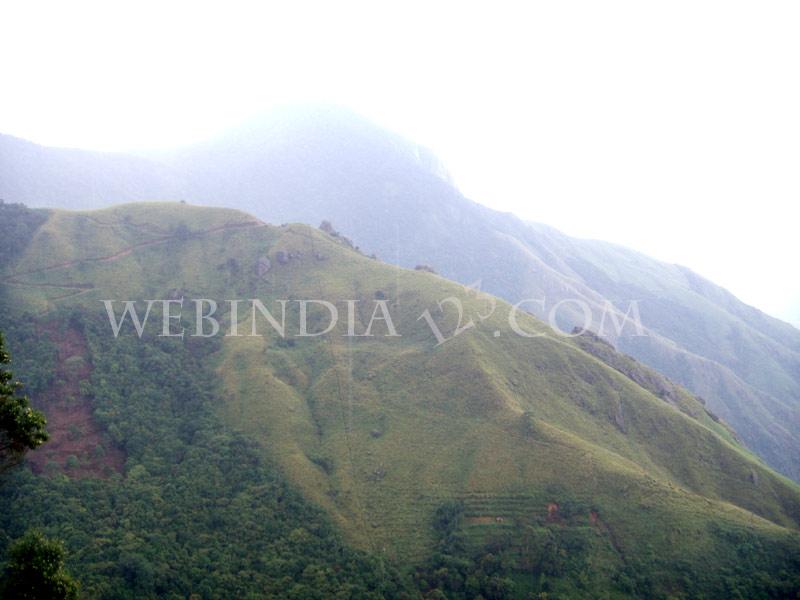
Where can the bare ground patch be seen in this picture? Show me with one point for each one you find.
(77, 445)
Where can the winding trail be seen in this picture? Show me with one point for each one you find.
(77, 289)
(125, 252)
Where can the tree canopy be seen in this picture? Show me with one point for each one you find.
(36, 570)
(21, 427)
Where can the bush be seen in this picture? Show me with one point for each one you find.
(36, 570)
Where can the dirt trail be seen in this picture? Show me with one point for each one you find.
(122, 253)
(77, 445)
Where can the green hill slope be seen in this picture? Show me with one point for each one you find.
(584, 471)
(326, 164)
(394, 199)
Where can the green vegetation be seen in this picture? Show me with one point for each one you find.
(197, 510)
(394, 199)
(36, 571)
(493, 464)
(21, 427)
(17, 225)
(562, 557)
(35, 567)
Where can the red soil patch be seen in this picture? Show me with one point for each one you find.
(70, 420)
(485, 520)
(552, 512)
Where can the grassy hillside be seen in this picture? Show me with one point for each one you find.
(394, 199)
(582, 470)
(746, 364)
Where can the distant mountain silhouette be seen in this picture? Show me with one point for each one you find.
(395, 199)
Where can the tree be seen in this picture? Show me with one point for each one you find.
(36, 570)
(327, 227)
(21, 427)
(182, 231)
(17, 226)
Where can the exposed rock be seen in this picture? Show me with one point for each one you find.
(284, 257)
(619, 420)
(652, 381)
(552, 512)
(263, 265)
(377, 475)
(327, 227)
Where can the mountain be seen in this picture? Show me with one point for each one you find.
(227, 464)
(71, 178)
(395, 200)
(794, 311)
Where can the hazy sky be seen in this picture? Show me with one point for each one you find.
(669, 127)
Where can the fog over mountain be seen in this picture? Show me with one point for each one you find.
(399, 301)
(394, 199)
(590, 118)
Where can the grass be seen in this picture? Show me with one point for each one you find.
(380, 431)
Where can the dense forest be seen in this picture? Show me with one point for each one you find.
(17, 224)
(145, 490)
(196, 510)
